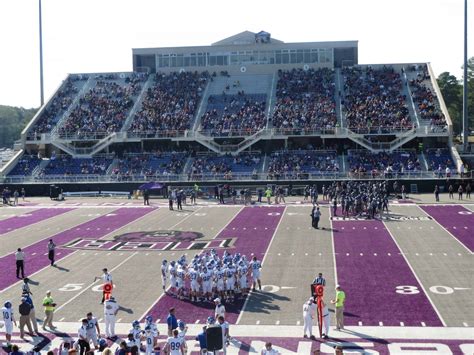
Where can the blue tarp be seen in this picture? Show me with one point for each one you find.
(152, 186)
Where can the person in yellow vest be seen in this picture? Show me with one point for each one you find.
(49, 305)
(268, 195)
(339, 304)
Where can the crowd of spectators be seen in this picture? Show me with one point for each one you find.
(67, 165)
(373, 100)
(170, 104)
(234, 114)
(305, 100)
(224, 165)
(104, 108)
(426, 100)
(151, 164)
(298, 164)
(400, 162)
(59, 104)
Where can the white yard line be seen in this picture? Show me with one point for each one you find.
(215, 236)
(414, 274)
(263, 262)
(93, 283)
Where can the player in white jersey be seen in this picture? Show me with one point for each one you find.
(183, 328)
(230, 282)
(174, 345)
(220, 287)
(242, 274)
(172, 271)
(150, 340)
(194, 277)
(164, 271)
(92, 329)
(206, 283)
(153, 327)
(110, 314)
(136, 331)
(8, 320)
(180, 274)
(255, 266)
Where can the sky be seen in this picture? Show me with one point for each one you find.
(83, 36)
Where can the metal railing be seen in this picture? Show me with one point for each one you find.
(243, 176)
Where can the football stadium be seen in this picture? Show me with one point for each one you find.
(254, 195)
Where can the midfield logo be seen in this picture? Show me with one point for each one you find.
(160, 240)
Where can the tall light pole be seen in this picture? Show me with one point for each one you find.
(41, 55)
(465, 121)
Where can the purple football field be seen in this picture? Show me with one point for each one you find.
(21, 221)
(248, 241)
(36, 259)
(369, 270)
(458, 220)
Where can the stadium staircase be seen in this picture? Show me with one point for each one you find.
(112, 166)
(272, 100)
(37, 171)
(138, 104)
(341, 118)
(423, 161)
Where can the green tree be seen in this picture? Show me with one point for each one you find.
(12, 122)
(451, 90)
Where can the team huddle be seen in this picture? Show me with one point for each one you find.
(208, 276)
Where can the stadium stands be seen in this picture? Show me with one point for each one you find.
(229, 115)
(171, 103)
(305, 100)
(439, 159)
(225, 166)
(58, 106)
(25, 166)
(364, 161)
(373, 100)
(105, 107)
(296, 164)
(66, 165)
(155, 164)
(425, 98)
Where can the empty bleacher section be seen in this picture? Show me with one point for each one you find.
(301, 164)
(305, 100)
(136, 166)
(67, 165)
(61, 101)
(424, 97)
(383, 163)
(229, 115)
(373, 100)
(104, 108)
(211, 166)
(170, 104)
(439, 159)
(25, 166)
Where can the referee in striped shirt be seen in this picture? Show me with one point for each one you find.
(320, 280)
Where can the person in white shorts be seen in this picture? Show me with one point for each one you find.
(164, 270)
(206, 283)
(326, 320)
(150, 340)
(256, 265)
(110, 313)
(93, 331)
(8, 320)
(194, 276)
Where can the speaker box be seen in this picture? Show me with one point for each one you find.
(214, 338)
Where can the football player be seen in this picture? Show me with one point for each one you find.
(150, 340)
(164, 270)
(255, 266)
(8, 320)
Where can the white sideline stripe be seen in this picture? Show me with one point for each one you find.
(333, 247)
(282, 215)
(75, 251)
(447, 231)
(215, 236)
(93, 283)
(416, 276)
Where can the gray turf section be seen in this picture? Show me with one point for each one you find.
(438, 260)
(23, 237)
(138, 279)
(470, 207)
(298, 252)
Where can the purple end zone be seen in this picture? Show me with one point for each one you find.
(36, 259)
(458, 220)
(370, 281)
(248, 241)
(24, 220)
